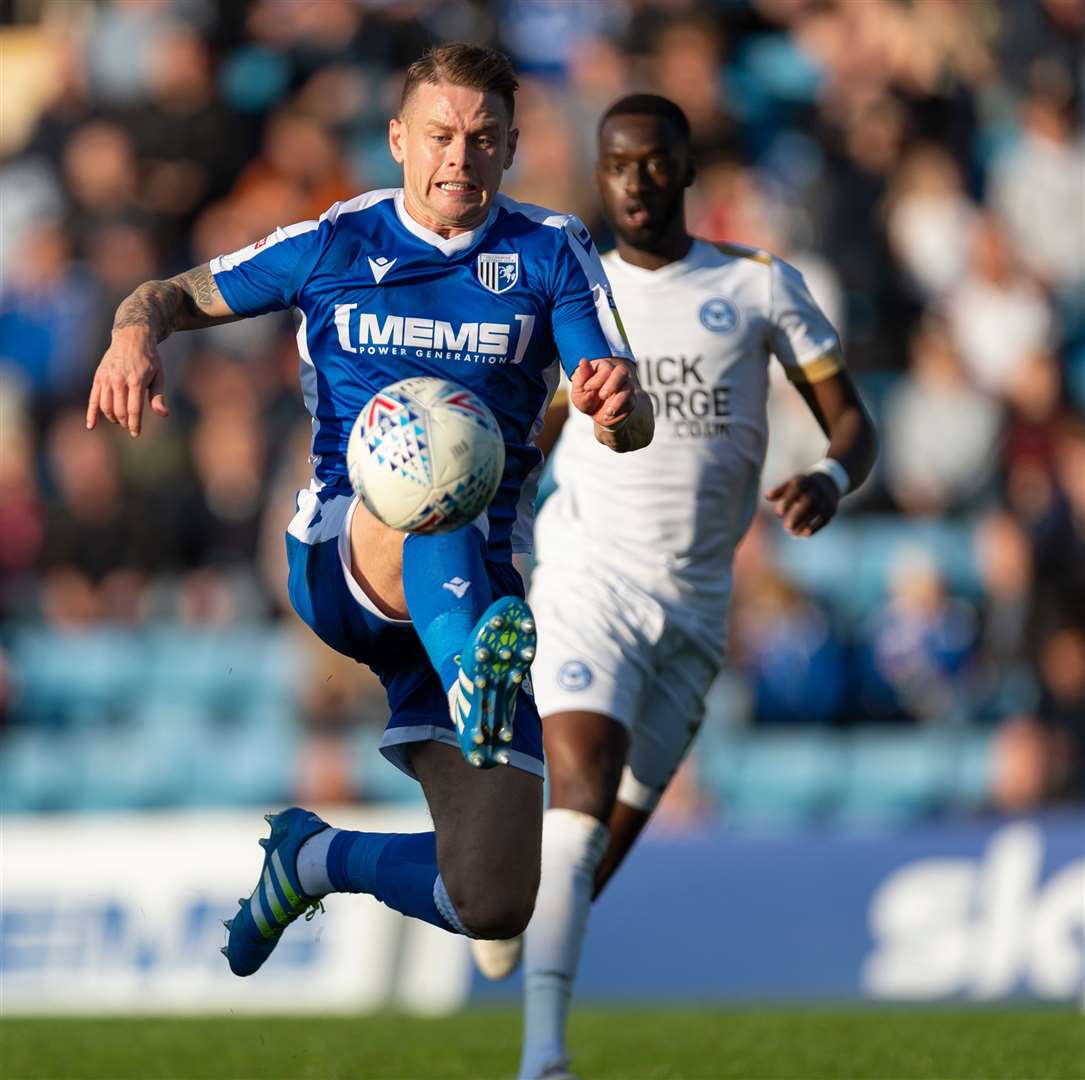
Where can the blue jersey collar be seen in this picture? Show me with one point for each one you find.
(452, 245)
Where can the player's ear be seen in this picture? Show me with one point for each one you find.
(397, 135)
(510, 151)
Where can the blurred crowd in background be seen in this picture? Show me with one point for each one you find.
(921, 162)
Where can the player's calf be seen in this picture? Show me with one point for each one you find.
(489, 837)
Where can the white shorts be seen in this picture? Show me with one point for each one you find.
(610, 648)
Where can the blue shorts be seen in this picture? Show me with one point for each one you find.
(334, 606)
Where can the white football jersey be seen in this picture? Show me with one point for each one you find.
(669, 517)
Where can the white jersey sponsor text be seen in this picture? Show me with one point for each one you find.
(703, 330)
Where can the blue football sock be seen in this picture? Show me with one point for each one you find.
(399, 869)
(447, 590)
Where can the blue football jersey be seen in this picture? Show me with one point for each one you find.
(380, 298)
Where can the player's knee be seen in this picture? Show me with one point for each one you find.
(585, 753)
(499, 923)
(495, 915)
(591, 794)
(586, 783)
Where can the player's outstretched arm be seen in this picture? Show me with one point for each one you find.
(131, 370)
(607, 390)
(809, 501)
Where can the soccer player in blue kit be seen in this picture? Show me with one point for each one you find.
(442, 277)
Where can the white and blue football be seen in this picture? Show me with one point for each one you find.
(425, 455)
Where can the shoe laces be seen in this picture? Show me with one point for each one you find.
(313, 910)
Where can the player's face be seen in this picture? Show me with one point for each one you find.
(642, 174)
(453, 143)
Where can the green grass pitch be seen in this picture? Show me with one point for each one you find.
(609, 1044)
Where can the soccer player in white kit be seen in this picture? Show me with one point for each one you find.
(628, 649)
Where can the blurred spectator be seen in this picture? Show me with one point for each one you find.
(1036, 410)
(547, 171)
(865, 145)
(598, 74)
(70, 103)
(94, 556)
(1042, 757)
(21, 511)
(47, 304)
(100, 176)
(931, 220)
(996, 314)
(229, 455)
(1050, 29)
(121, 254)
(1003, 555)
(1022, 765)
(120, 47)
(1062, 707)
(190, 146)
(731, 204)
(1036, 186)
(542, 37)
(1059, 529)
(919, 649)
(210, 516)
(300, 154)
(687, 70)
(785, 643)
(926, 472)
(30, 194)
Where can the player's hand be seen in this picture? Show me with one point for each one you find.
(806, 503)
(129, 373)
(604, 390)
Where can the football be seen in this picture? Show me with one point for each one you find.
(425, 455)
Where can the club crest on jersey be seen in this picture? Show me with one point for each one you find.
(719, 315)
(499, 272)
(574, 675)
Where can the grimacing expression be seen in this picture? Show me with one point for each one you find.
(642, 174)
(454, 144)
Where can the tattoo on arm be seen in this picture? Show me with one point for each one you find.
(200, 291)
(185, 302)
(153, 304)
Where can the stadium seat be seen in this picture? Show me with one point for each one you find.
(850, 564)
(75, 679)
(896, 775)
(146, 761)
(222, 673)
(38, 771)
(247, 760)
(784, 777)
(973, 767)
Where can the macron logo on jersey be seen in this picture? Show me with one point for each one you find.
(380, 266)
(415, 335)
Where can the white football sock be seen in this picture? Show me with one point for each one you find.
(313, 863)
(572, 845)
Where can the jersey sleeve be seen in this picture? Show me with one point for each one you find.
(801, 336)
(267, 275)
(584, 320)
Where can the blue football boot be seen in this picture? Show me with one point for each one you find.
(493, 666)
(277, 899)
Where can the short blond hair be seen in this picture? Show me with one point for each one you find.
(462, 64)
